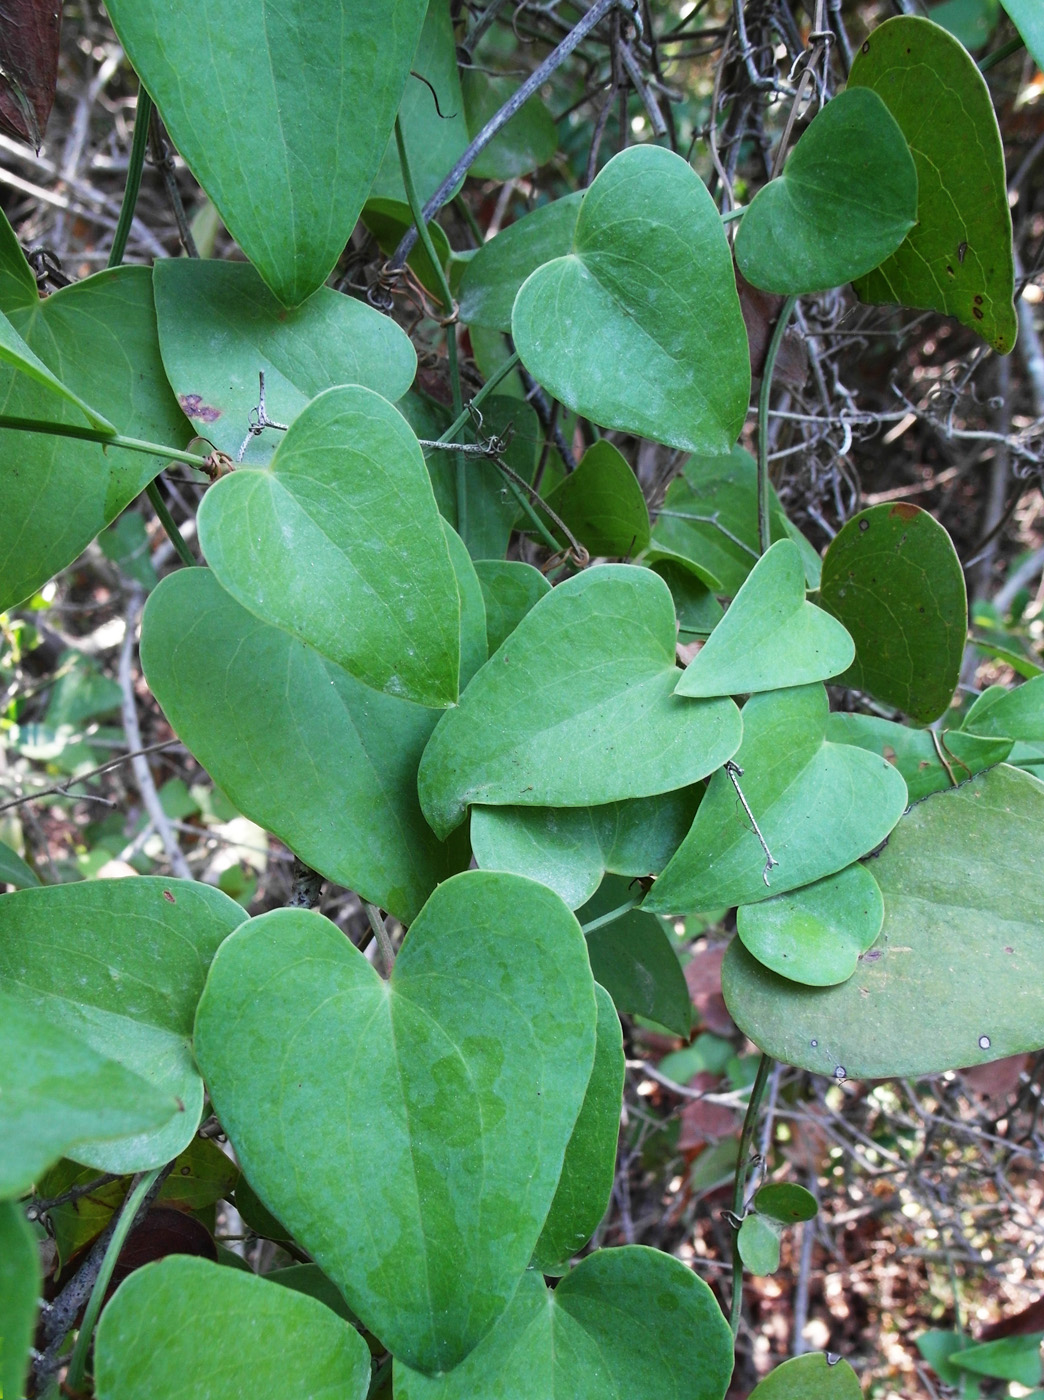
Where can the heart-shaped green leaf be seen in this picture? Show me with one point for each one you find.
(892, 576)
(815, 934)
(710, 516)
(771, 637)
(846, 199)
(17, 283)
(602, 504)
(819, 807)
(159, 1336)
(21, 1285)
(958, 258)
(57, 1095)
(529, 139)
(510, 589)
(758, 1243)
(286, 116)
(272, 721)
(630, 1322)
(409, 1133)
(15, 352)
(814, 1376)
(569, 849)
(952, 979)
(649, 282)
(633, 958)
(1013, 714)
(929, 760)
(220, 327)
(99, 338)
(576, 708)
(589, 1168)
(346, 491)
(120, 964)
(493, 276)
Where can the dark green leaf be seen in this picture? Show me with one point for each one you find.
(970, 21)
(99, 338)
(603, 505)
(786, 1202)
(1029, 21)
(182, 1328)
(952, 979)
(510, 590)
(1013, 714)
(576, 708)
(1008, 1358)
(815, 934)
(409, 1133)
(893, 578)
(286, 116)
(692, 589)
(846, 199)
(126, 542)
(813, 1376)
(589, 1168)
(819, 807)
(220, 326)
(635, 961)
(272, 722)
(492, 278)
(625, 1322)
(530, 138)
(347, 491)
(639, 326)
(17, 283)
(21, 1285)
(388, 220)
(758, 1242)
(15, 352)
(14, 870)
(958, 259)
(921, 755)
(771, 637)
(120, 964)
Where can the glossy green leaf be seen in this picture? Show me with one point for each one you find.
(15, 352)
(569, 849)
(57, 1095)
(771, 637)
(1028, 19)
(819, 807)
(786, 1202)
(309, 1279)
(893, 578)
(21, 1286)
(602, 504)
(490, 505)
(347, 492)
(182, 1328)
(220, 326)
(272, 721)
(589, 1168)
(576, 709)
(409, 1133)
(287, 160)
(1008, 1358)
(815, 934)
(510, 589)
(710, 516)
(99, 338)
(14, 870)
(952, 979)
(435, 135)
(958, 258)
(922, 756)
(120, 964)
(492, 278)
(814, 1376)
(648, 286)
(846, 199)
(17, 283)
(1013, 714)
(256, 1215)
(693, 591)
(758, 1243)
(630, 1322)
(529, 140)
(634, 960)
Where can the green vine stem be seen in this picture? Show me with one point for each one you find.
(739, 1190)
(764, 525)
(493, 382)
(73, 430)
(136, 165)
(612, 916)
(139, 1194)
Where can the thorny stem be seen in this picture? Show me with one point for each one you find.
(533, 84)
(136, 164)
(739, 1190)
(764, 395)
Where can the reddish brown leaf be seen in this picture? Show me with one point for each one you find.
(705, 1122)
(29, 33)
(1020, 1324)
(996, 1080)
(760, 313)
(703, 974)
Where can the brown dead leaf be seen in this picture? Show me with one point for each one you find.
(29, 34)
(703, 974)
(760, 313)
(705, 1122)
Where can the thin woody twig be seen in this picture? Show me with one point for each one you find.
(735, 772)
(62, 789)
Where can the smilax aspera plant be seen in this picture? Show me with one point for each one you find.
(427, 634)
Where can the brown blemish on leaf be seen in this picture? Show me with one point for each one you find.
(962, 248)
(904, 510)
(976, 313)
(192, 406)
(169, 897)
(977, 298)
(866, 46)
